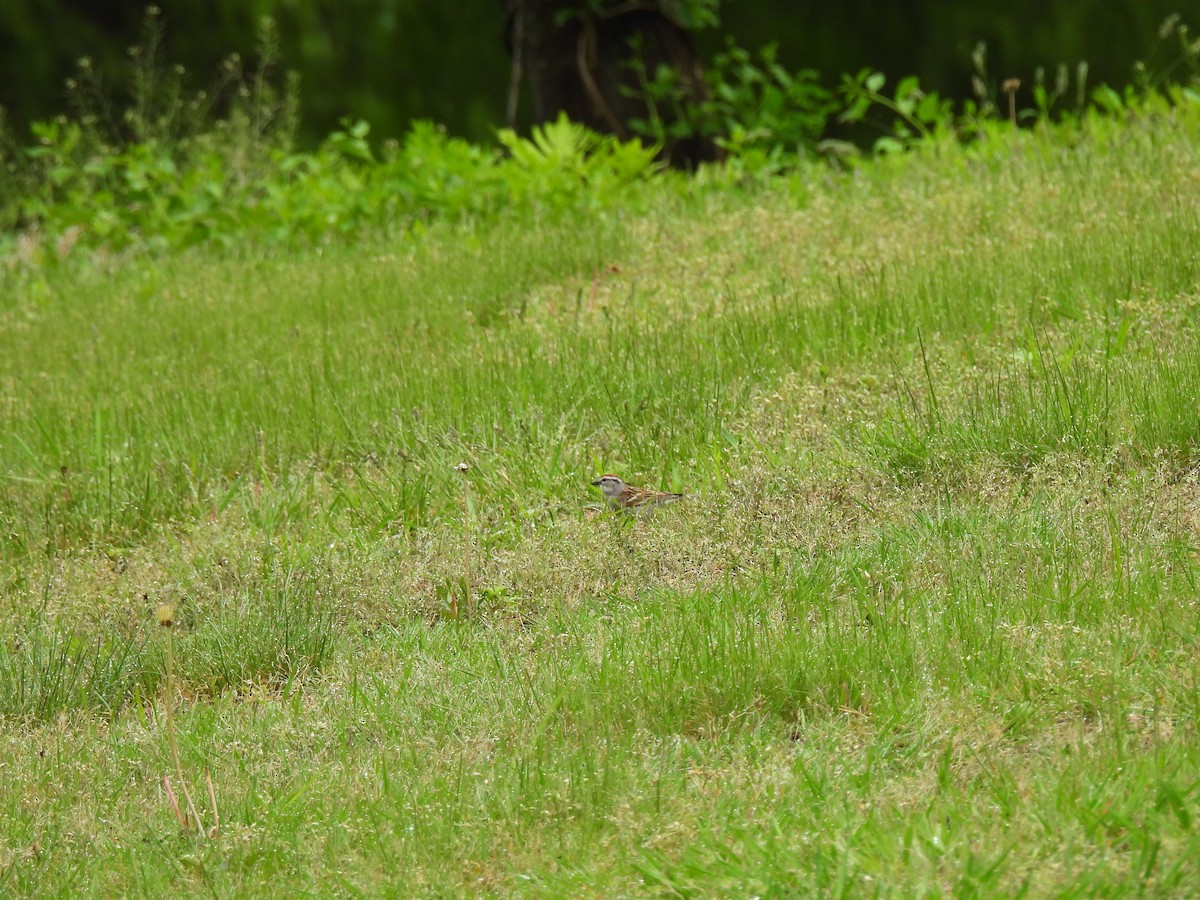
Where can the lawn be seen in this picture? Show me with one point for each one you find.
(927, 623)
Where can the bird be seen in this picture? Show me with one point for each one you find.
(632, 499)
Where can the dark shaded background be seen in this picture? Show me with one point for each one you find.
(389, 61)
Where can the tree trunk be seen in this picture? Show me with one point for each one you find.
(585, 62)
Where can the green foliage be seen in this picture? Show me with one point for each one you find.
(155, 194)
(563, 164)
(759, 112)
(764, 116)
(693, 15)
(917, 116)
(909, 116)
(169, 172)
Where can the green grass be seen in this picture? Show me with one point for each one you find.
(927, 624)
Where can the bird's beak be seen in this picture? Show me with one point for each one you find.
(596, 483)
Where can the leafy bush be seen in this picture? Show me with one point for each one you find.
(908, 115)
(562, 158)
(757, 110)
(170, 172)
(156, 194)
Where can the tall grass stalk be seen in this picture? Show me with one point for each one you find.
(468, 543)
(166, 618)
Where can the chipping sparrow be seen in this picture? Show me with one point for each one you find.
(623, 496)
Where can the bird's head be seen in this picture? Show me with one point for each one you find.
(610, 484)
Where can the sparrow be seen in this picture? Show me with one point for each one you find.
(632, 499)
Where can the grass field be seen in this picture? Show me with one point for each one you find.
(927, 623)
